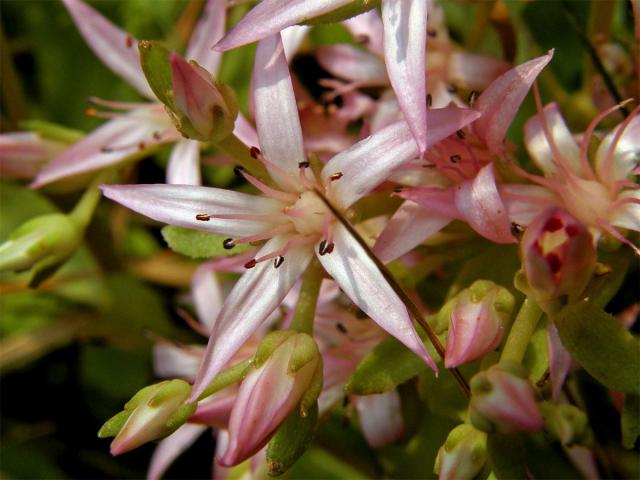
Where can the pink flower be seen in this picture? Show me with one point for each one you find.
(291, 216)
(405, 32)
(269, 393)
(23, 154)
(461, 179)
(600, 193)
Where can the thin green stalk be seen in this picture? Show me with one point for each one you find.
(306, 308)
(227, 377)
(84, 209)
(521, 331)
(414, 311)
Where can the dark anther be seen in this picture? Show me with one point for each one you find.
(278, 261)
(362, 39)
(516, 229)
(106, 149)
(454, 158)
(460, 134)
(398, 189)
(329, 248)
(90, 112)
(341, 328)
(432, 33)
(228, 243)
(238, 169)
(251, 263)
(303, 164)
(472, 97)
(335, 176)
(128, 41)
(141, 146)
(254, 152)
(429, 100)
(325, 247)
(452, 89)
(157, 136)
(203, 217)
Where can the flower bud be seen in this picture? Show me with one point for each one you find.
(502, 398)
(477, 322)
(154, 412)
(202, 109)
(567, 423)
(463, 454)
(41, 244)
(23, 154)
(558, 256)
(287, 374)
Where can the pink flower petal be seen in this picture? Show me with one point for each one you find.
(23, 154)
(624, 157)
(364, 284)
(370, 161)
(367, 30)
(184, 163)
(559, 361)
(408, 227)
(272, 16)
(245, 132)
(538, 145)
(108, 145)
(114, 47)
(354, 64)
(276, 111)
(258, 293)
(500, 102)
(208, 31)
(207, 294)
(380, 418)
(438, 200)
(526, 202)
(479, 202)
(171, 448)
(179, 205)
(172, 361)
(627, 215)
(292, 37)
(405, 37)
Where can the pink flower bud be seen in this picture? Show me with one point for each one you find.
(463, 455)
(23, 154)
(476, 323)
(154, 412)
(558, 256)
(270, 392)
(502, 398)
(202, 109)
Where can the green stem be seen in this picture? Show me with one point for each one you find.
(521, 331)
(83, 211)
(599, 30)
(306, 308)
(233, 147)
(474, 39)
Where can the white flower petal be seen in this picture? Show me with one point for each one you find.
(184, 163)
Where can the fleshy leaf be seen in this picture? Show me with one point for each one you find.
(195, 244)
(601, 345)
(385, 367)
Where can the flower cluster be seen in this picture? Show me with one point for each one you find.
(380, 240)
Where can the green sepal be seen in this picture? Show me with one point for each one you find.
(227, 377)
(112, 426)
(313, 391)
(602, 345)
(291, 440)
(345, 12)
(196, 244)
(566, 423)
(169, 389)
(268, 345)
(630, 421)
(305, 351)
(154, 59)
(181, 416)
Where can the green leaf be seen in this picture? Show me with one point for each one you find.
(291, 440)
(318, 464)
(442, 393)
(630, 421)
(385, 367)
(195, 244)
(154, 59)
(602, 345)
